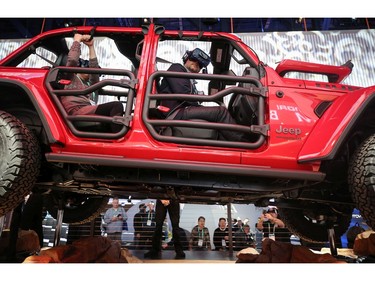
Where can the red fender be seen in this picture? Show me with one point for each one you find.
(332, 128)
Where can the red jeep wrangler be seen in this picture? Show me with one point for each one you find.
(310, 148)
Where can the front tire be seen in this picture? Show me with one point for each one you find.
(19, 164)
(362, 180)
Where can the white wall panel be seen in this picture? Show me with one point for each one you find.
(327, 47)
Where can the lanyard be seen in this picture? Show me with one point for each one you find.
(269, 228)
(149, 216)
(201, 231)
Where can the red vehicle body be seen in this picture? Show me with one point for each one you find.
(309, 150)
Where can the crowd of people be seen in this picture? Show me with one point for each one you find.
(152, 232)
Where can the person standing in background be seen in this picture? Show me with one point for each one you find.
(243, 238)
(173, 208)
(221, 237)
(114, 217)
(200, 236)
(28, 215)
(138, 224)
(149, 224)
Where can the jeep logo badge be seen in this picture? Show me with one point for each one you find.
(292, 131)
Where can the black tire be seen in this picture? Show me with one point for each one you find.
(20, 162)
(361, 179)
(301, 225)
(83, 209)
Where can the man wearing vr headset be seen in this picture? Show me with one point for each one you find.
(83, 104)
(194, 61)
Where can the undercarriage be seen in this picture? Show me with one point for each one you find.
(189, 187)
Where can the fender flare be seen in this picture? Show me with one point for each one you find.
(336, 124)
(32, 98)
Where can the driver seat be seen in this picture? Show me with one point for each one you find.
(244, 108)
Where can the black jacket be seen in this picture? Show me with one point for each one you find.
(177, 86)
(139, 222)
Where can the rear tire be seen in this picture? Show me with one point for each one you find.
(78, 208)
(19, 164)
(302, 225)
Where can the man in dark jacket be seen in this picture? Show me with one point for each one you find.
(149, 224)
(138, 224)
(221, 236)
(194, 61)
(243, 238)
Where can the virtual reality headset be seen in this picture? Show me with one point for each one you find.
(83, 63)
(197, 55)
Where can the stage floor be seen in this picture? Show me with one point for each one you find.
(167, 256)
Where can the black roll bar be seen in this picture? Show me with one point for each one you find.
(261, 129)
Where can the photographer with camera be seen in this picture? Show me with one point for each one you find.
(114, 218)
(194, 61)
(272, 226)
